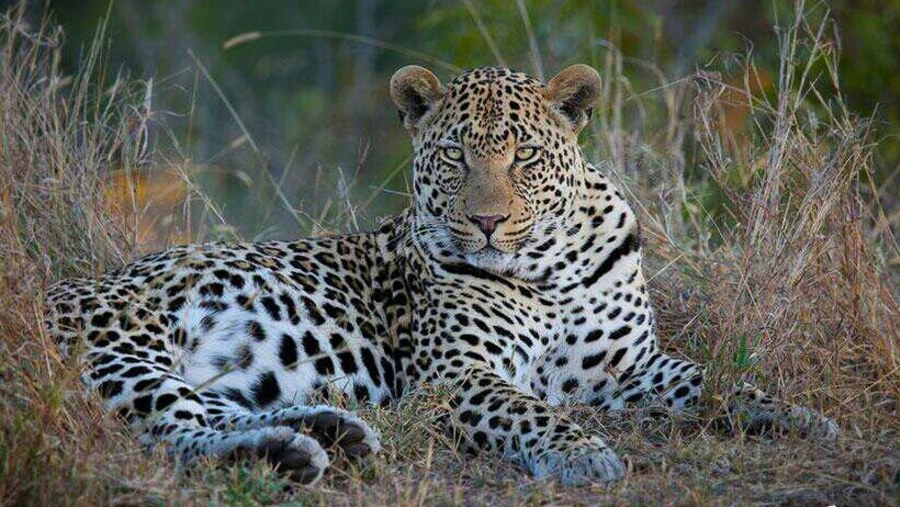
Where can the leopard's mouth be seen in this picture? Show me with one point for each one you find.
(487, 246)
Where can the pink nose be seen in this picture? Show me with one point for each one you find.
(487, 223)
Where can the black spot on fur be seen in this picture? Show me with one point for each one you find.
(255, 330)
(348, 363)
(271, 307)
(110, 388)
(266, 389)
(165, 400)
(617, 357)
(619, 333)
(593, 360)
(324, 366)
(287, 352)
(371, 366)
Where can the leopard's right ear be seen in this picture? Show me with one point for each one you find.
(573, 93)
(415, 91)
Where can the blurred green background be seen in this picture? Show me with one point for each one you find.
(311, 87)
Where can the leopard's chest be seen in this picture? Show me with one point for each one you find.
(559, 343)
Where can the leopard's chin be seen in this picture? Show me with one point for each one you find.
(492, 260)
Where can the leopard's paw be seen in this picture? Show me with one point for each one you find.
(756, 412)
(589, 461)
(301, 456)
(336, 427)
(808, 423)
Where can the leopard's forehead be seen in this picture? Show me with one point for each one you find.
(485, 92)
(492, 108)
(495, 75)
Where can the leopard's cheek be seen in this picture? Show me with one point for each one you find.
(451, 181)
(535, 189)
(430, 188)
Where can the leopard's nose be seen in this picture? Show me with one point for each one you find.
(487, 223)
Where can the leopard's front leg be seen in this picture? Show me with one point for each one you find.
(495, 414)
(755, 411)
(678, 384)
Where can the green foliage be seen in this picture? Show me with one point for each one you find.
(743, 358)
(308, 85)
(254, 484)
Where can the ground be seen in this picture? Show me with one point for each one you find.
(683, 462)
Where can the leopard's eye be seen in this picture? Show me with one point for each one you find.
(452, 153)
(526, 154)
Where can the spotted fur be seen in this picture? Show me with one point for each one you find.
(514, 277)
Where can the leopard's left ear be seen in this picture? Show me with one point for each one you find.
(573, 92)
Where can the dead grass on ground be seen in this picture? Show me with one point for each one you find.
(786, 282)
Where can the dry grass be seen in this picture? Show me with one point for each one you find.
(786, 280)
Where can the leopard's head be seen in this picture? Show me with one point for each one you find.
(497, 167)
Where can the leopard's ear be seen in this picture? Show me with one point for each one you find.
(573, 93)
(415, 91)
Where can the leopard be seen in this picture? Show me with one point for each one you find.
(513, 278)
